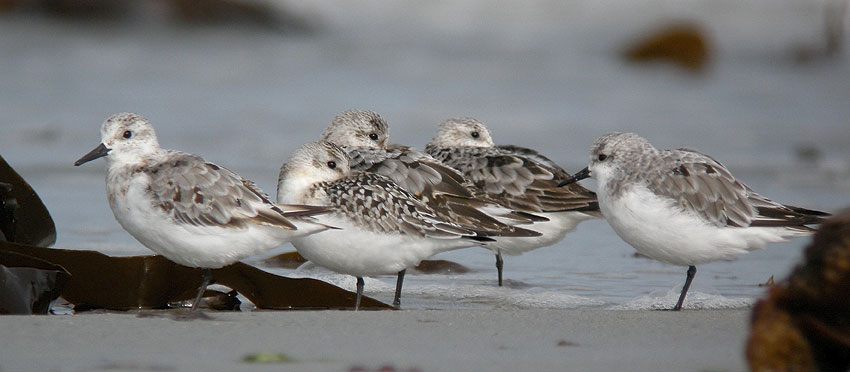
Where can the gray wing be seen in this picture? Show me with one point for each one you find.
(198, 193)
(518, 181)
(415, 171)
(376, 203)
(441, 187)
(700, 184)
(532, 154)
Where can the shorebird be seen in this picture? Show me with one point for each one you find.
(518, 178)
(363, 135)
(192, 212)
(682, 207)
(382, 228)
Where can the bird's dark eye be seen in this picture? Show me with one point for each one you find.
(128, 134)
(602, 157)
(331, 164)
(474, 134)
(374, 136)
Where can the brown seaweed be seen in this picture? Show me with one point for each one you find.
(683, 44)
(441, 267)
(100, 281)
(28, 284)
(288, 260)
(34, 275)
(291, 260)
(23, 217)
(804, 323)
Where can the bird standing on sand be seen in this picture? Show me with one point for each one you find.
(518, 178)
(682, 207)
(363, 135)
(194, 213)
(382, 228)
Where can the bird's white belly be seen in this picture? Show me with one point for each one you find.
(188, 245)
(355, 251)
(552, 231)
(659, 229)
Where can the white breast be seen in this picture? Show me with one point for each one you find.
(658, 228)
(355, 251)
(552, 231)
(188, 245)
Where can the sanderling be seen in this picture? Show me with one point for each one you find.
(194, 213)
(682, 207)
(518, 178)
(363, 135)
(383, 229)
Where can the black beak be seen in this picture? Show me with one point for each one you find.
(100, 151)
(582, 174)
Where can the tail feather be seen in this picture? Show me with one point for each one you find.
(302, 210)
(789, 216)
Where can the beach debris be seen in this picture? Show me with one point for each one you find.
(121, 283)
(444, 267)
(804, 323)
(132, 366)
(23, 217)
(222, 301)
(291, 260)
(565, 343)
(639, 255)
(257, 13)
(34, 275)
(288, 260)
(262, 14)
(27, 284)
(267, 358)
(382, 368)
(7, 5)
(682, 43)
(808, 153)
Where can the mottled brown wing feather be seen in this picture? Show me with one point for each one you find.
(518, 181)
(700, 184)
(203, 194)
(376, 202)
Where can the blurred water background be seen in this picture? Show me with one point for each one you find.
(771, 101)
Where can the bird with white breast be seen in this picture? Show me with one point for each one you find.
(518, 178)
(382, 228)
(192, 212)
(682, 207)
(363, 135)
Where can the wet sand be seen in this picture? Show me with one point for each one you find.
(417, 340)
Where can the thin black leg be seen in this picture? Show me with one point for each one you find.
(499, 264)
(692, 270)
(360, 284)
(398, 282)
(207, 280)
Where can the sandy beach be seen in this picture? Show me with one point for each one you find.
(550, 75)
(419, 340)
